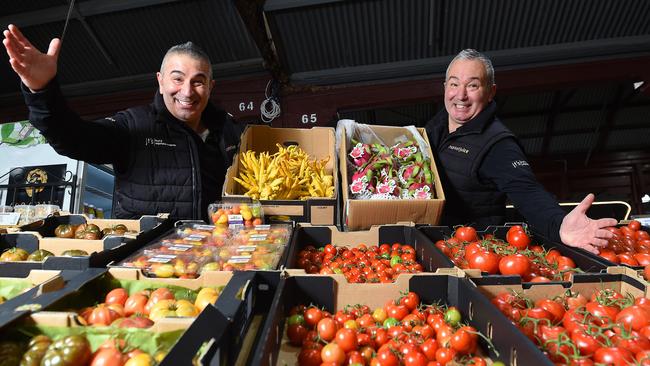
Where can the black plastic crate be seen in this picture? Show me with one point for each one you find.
(434, 233)
(323, 291)
(116, 248)
(319, 236)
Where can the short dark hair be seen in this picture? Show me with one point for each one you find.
(472, 54)
(191, 49)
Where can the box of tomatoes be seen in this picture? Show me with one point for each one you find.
(629, 247)
(319, 319)
(179, 317)
(506, 251)
(373, 256)
(597, 318)
(26, 251)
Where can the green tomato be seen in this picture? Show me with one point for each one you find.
(37, 348)
(296, 319)
(10, 353)
(39, 255)
(385, 256)
(452, 317)
(390, 322)
(68, 351)
(396, 259)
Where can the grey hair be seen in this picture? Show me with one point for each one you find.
(472, 54)
(190, 49)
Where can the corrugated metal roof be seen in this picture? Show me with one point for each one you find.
(352, 33)
(532, 146)
(526, 103)
(567, 144)
(633, 116)
(136, 39)
(628, 139)
(594, 96)
(588, 120)
(522, 126)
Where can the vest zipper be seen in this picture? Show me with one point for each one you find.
(196, 204)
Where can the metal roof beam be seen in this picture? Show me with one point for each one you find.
(556, 55)
(87, 8)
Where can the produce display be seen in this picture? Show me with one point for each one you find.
(382, 172)
(403, 332)
(288, 174)
(515, 256)
(630, 245)
(88, 231)
(193, 249)
(608, 328)
(361, 264)
(247, 214)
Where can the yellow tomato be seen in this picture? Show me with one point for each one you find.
(207, 295)
(143, 359)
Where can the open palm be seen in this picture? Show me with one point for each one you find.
(35, 69)
(578, 230)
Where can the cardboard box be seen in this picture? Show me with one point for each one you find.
(319, 236)
(209, 328)
(434, 233)
(621, 279)
(333, 294)
(318, 142)
(362, 214)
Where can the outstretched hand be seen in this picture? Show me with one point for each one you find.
(35, 69)
(578, 230)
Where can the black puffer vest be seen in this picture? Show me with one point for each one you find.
(169, 168)
(460, 154)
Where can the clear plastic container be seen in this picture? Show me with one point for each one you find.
(231, 213)
(27, 213)
(42, 211)
(4, 209)
(166, 265)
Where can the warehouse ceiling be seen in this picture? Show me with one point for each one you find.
(117, 45)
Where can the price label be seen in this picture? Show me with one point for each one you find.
(203, 227)
(246, 248)
(180, 247)
(257, 237)
(161, 259)
(239, 259)
(235, 218)
(262, 227)
(196, 237)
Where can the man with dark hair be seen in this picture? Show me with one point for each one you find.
(482, 163)
(168, 157)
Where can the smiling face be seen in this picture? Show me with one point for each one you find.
(185, 85)
(467, 91)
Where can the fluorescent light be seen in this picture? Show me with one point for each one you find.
(638, 84)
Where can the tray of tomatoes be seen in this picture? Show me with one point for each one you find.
(373, 256)
(629, 247)
(598, 319)
(507, 250)
(191, 249)
(177, 321)
(420, 319)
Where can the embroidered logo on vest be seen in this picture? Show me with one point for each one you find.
(519, 163)
(149, 141)
(459, 149)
